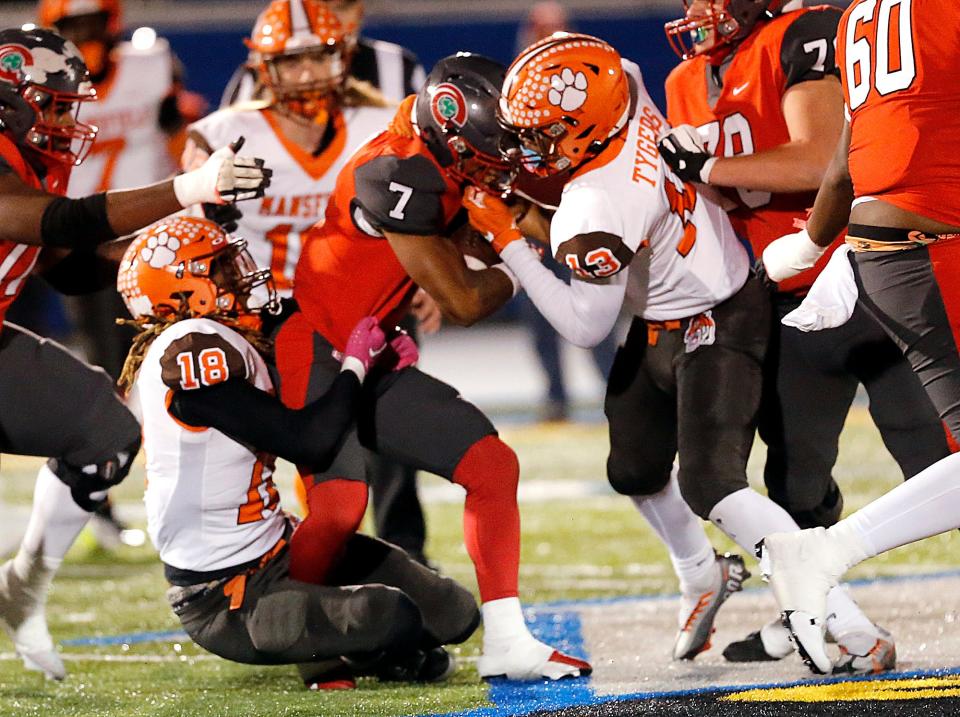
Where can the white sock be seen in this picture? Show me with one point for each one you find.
(55, 520)
(928, 504)
(681, 531)
(503, 623)
(844, 615)
(748, 517)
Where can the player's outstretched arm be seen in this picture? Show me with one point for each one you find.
(36, 217)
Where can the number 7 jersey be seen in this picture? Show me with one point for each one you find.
(898, 62)
(211, 502)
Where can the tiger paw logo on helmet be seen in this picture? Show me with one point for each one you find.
(568, 91)
(161, 250)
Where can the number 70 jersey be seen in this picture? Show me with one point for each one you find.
(211, 502)
(898, 64)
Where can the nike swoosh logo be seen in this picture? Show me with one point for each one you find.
(741, 88)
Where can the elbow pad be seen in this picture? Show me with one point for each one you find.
(76, 223)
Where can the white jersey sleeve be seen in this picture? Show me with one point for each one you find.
(211, 502)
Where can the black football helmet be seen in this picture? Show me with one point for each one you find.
(727, 22)
(43, 81)
(456, 115)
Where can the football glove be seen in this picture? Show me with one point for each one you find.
(223, 177)
(790, 254)
(404, 351)
(683, 150)
(364, 345)
(226, 215)
(490, 216)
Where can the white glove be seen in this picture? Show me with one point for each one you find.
(222, 178)
(790, 254)
(682, 148)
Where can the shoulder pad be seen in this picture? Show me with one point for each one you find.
(807, 52)
(199, 359)
(594, 256)
(402, 195)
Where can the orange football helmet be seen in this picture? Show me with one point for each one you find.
(94, 42)
(50, 12)
(289, 31)
(565, 97)
(188, 260)
(714, 27)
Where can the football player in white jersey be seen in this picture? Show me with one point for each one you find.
(314, 118)
(196, 374)
(687, 381)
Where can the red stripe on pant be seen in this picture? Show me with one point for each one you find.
(333, 508)
(491, 519)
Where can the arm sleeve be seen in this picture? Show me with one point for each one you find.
(401, 195)
(582, 312)
(807, 52)
(310, 436)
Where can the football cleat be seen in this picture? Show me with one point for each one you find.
(23, 597)
(768, 644)
(329, 675)
(866, 653)
(698, 612)
(527, 659)
(801, 567)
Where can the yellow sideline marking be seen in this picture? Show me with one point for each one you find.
(910, 689)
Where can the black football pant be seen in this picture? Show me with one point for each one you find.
(379, 601)
(810, 380)
(665, 398)
(915, 295)
(56, 406)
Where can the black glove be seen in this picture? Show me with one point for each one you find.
(226, 215)
(682, 149)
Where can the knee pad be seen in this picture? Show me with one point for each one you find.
(489, 467)
(273, 625)
(823, 515)
(399, 617)
(704, 489)
(89, 484)
(629, 481)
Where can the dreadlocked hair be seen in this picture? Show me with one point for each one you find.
(150, 327)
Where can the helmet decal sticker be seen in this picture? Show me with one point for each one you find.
(160, 250)
(448, 105)
(13, 58)
(568, 91)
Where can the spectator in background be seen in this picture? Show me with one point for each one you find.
(544, 19)
(396, 73)
(138, 111)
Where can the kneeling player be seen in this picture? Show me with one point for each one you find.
(211, 429)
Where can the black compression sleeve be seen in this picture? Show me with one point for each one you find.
(76, 223)
(309, 437)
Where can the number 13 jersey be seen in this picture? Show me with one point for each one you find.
(211, 502)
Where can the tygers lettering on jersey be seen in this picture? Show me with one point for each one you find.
(211, 503)
(898, 60)
(17, 260)
(746, 115)
(301, 184)
(625, 209)
(347, 269)
(131, 149)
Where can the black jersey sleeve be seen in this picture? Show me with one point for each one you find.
(808, 51)
(402, 195)
(310, 437)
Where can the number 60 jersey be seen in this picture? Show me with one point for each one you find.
(211, 502)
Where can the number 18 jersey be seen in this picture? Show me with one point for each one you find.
(211, 502)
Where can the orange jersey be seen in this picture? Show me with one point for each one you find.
(347, 269)
(898, 62)
(744, 114)
(17, 260)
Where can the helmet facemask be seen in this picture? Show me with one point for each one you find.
(714, 27)
(306, 82)
(537, 149)
(57, 132)
(242, 287)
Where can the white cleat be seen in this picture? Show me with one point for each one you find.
(528, 659)
(801, 567)
(22, 602)
(699, 611)
(866, 653)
